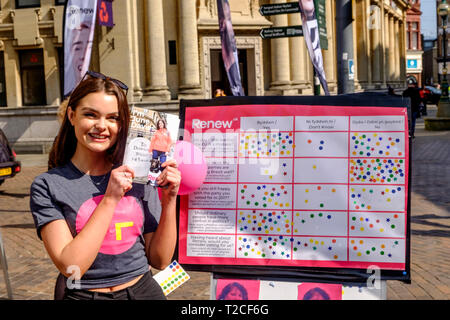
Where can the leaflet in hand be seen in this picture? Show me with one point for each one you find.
(150, 142)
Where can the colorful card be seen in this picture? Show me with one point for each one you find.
(171, 277)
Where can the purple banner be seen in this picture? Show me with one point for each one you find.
(79, 25)
(105, 13)
(229, 49)
(311, 35)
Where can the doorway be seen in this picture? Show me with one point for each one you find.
(219, 79)
(33, 77)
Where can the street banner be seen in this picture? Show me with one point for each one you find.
(105, 13)
(307, 186)
(79, 25)
(312, 38)
(229, 49)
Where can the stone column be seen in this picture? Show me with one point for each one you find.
(135, 48)
(383, 45)
(391, 49)
(189, 64)
(281, 77)
(387, 47)
(363, 24)
(402, 36)
(156, 75)
(397, 50)
(51, 72)
(12, 75)
(376, 55)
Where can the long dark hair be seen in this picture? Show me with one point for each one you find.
(230, 286)
(65, 142)
(308, 295)
(164, 124)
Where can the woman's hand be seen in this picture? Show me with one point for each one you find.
(169, 179)
(120, 182)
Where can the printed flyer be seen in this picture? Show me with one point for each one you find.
(150, 142)
(298, 186)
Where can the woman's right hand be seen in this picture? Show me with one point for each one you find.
(120, 182)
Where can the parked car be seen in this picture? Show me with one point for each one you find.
(430, 94)
(9, 166)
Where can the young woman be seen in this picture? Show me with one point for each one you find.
(94, 222)
(161, 142)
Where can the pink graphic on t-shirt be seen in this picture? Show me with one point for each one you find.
(125, 225)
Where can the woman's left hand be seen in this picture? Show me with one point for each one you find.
(169, 179)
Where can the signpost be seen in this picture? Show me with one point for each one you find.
(321, 21)
(293, 7)
(281, 32)
(279, 8)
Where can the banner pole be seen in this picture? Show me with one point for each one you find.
(344, 46)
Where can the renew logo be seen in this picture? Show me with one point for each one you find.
(211, 124)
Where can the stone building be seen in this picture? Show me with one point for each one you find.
(414, 48)
(167, 50)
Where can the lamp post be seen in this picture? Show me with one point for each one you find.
(442, 119)
(444, 104)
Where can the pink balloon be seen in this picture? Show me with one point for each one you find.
(192, 166)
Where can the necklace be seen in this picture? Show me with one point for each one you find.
(97, 183)
(97, 180)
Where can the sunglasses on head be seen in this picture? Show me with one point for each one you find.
(99, 75)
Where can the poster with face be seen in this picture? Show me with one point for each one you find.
(311, 34)
(229, 49)
(319, 291)
(274, 289)
(237, 289)
(79, 25)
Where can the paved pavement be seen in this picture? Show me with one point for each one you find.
(33, 275)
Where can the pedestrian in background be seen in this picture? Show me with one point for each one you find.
(413, 93)
(219, 93)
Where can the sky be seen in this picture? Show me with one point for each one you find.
(428, 22)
